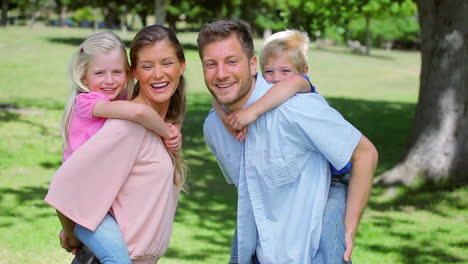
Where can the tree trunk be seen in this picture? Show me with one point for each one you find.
(438, 146)
(63, 14)
(368, 34)
(4, 19)
(160, 11)
(123, 21)
(95, 11)
(32, 18)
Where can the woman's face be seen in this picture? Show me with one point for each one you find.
(158, 70)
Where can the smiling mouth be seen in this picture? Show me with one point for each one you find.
(160, 85)
(108, 90)
(224, 85)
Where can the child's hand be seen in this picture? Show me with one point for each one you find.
(68, 243)
(241, 118)
(174, 141)
(241, 134)
(238, 134)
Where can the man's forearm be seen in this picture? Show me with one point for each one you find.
(364, 161)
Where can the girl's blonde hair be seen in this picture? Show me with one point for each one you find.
(294, 42)
(99, 43)
(175, 114)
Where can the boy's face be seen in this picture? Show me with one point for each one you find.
(279, 68)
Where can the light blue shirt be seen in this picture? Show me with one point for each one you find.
(282, 174)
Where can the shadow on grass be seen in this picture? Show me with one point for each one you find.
(15, 115)
(429, 197)
(23, 204)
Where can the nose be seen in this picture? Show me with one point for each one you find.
(221, 72)
(109, 78)
(276, 77)
(157, 72)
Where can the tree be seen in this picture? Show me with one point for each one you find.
(4, 18)
(438, 145)
(160, 11)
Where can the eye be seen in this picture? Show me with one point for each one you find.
(146, 67)
(209, 64)
(168, 63)
(268, 72)
(118, 71)
(232, 62)
(286, 71)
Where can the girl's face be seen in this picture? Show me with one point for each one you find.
(106, 74)
(158, 71)
(279, 68)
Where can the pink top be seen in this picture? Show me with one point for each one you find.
(83, 125)
(125, 169)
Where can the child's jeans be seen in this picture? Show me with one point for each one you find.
(332, 239)
(106, 242)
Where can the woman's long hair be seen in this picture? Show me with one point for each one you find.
(175, 114)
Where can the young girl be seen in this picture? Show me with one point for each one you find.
(101, 75)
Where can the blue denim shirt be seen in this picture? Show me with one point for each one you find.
(282, 174)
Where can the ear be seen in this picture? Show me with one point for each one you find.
(83, 81)
(306, 69)
(253, 65)
(182, 67)
(134, 73)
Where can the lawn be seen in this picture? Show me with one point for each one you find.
(420, 224)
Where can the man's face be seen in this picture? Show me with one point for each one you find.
(228, 72)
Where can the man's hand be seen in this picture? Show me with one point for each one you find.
(241, 118)
(349, 243)
(69, 244)
(174, 141)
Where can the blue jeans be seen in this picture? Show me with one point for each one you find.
(332, 239)
(106, 242)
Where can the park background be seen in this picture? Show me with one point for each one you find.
(373, 83)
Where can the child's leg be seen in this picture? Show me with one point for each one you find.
(106, 242)
(332, 239)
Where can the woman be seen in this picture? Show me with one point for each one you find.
(125, 168)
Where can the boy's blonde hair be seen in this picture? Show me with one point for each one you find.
(294, 42)
(99, 43)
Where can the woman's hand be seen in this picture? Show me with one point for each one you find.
(70, 244)
(241, 118)
(174, 141)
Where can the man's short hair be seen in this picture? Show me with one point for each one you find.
(222, 29)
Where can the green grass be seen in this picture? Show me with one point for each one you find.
(421, 224)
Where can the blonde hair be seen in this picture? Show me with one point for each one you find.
(175, 114)
(99, 43)
(294, 42)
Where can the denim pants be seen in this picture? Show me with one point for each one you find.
(332, 239)
(106, 242)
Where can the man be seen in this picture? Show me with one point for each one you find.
(281, 169)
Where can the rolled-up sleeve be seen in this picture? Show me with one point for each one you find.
(86, 185)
